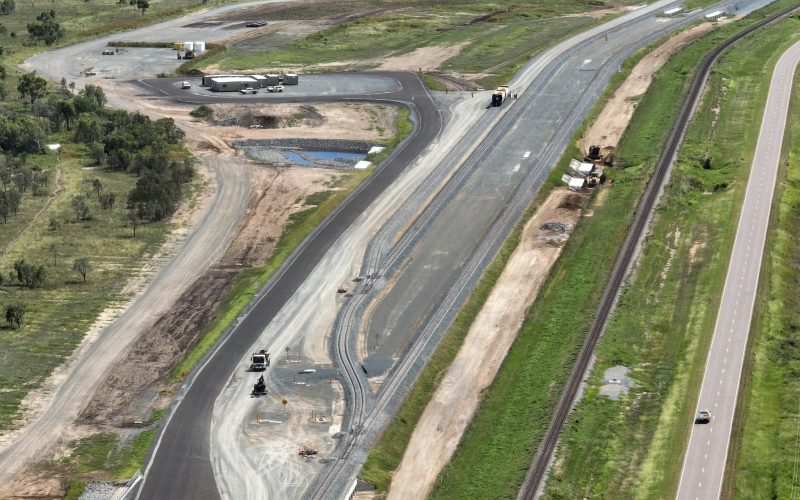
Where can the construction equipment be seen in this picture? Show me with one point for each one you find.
(341, 289)
(595, 179)
(703, 417)
(260, 387)
(189, 54)
(594, 153)
(177, 46)
(259, 361)
(307, 451)
(500, 95)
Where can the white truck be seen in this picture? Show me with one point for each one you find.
(259, 361)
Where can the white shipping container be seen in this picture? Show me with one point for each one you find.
(199, 46)
(188, 45)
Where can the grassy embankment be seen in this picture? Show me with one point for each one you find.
(765, 458)
(506, 40)
(300, 225)
(662, 327)
(59, 314)
(516, 410)
(386, 457)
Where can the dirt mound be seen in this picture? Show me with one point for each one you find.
(573, 202)
(136, 383)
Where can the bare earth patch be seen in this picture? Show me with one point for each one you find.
(613, 120)
(444, 420)
(427, 58)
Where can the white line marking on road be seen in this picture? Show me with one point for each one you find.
(527, 154)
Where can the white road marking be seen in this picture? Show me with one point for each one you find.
(527, 154)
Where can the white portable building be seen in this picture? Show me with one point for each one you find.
(674, 12)
(188, 45)
(232, 84)
(199, 46)
(716, 15)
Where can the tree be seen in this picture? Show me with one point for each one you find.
(63, 82)
(88, 130)
(79, 206)
(7, 7)
(98, 155)
(3, 30)
(3, 73)
(15, 313)
(133, 220)
(13, 199)
(30, 275)
(3, 90)
(32, 85)
(107, 201)
(54, 225)
(94, 93)
(66, 111)
(4, 209)
(97, 187)
(72, 86)
(142, 5)
(54, 251)
(82, 266)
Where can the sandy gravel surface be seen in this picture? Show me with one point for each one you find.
(450, 410)
(613, 120)
(257, 463)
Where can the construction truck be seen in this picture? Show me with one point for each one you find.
(500, 95)
(189, 54)
(260, 387)
(594, 153)
(703, 417)
(307, 451)
(259, 361)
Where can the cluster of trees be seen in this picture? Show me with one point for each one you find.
(46, 28)
(122, 141)
(7, 7)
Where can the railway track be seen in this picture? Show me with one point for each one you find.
(545, 451)
(379, 261)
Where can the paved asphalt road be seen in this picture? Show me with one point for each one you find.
(180, 466)
(704, 465)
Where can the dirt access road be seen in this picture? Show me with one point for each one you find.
(450, 410)
(613, 120)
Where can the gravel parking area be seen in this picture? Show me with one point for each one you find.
(328, 84)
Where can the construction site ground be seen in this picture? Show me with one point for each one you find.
(613, 120)
(139, 382)
(450, 410)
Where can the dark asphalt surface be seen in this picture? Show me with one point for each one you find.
(181, 468)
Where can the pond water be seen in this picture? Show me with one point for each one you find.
(327, 155)
(296, 158)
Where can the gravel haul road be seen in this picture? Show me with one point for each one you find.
(704, 465)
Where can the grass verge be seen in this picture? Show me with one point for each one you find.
(300, 225)
(662, 326)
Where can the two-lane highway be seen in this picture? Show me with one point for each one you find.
(704, 465)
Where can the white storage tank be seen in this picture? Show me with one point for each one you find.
(199, 46)
(188, 45)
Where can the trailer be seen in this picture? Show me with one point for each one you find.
(232, 84)
(290, 79)
(206, 82)
(272, 79)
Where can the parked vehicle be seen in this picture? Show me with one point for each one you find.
(256, 24)
(248, 90)
(185, 85)
(89, 73)
(275, 88)
(259, 361)
(108, 52)
(500, 95)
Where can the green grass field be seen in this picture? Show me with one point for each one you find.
(663, 324)
(59, 314)
(500, 43)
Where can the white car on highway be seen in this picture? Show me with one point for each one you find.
(248, 90)
(275, 88)
(185, 85)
